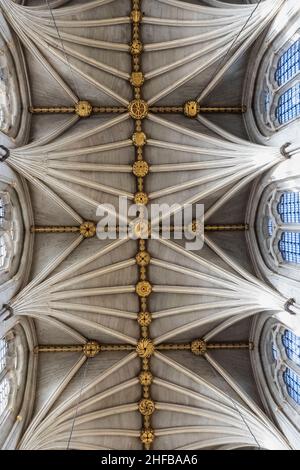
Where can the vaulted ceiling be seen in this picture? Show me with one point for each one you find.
(135, 343)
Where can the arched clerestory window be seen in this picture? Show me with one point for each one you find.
(285, 352)
(288, 105)
(5, 386)
(3, 353)
(3, 252)
(278, 93)
(289, 207)
(280, 234)
(284, 86)
(6, 231)
(16, 380)
(292, 382)
(274, 243)
(289, 247)
(288, 64)
(291, 343)
(276, 365)
(4, 395)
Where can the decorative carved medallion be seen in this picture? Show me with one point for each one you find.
(141, 198)
(147, 436)
(146, 407)
(137, 79)
(144, 318)
(91, 349)
(191, 109)
(140, 168)
(145, 348)
(143, 258)
(88, 229)
(145, 378)
(198, 347)
(138, 109)
(143, 288)
(83, 109)
(139, 139)
(136, 47)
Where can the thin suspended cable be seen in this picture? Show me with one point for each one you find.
(245, 422)
(219, 66)
(78, 403)
(64, 50)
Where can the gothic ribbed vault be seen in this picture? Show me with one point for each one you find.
(134, 343)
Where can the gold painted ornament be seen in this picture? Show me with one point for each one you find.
(143, 288)
(137, 79)
(194, 227)
(91, 349)
(145, 348)
(143, 258)
(191, 109)
(198, 347)
(144, 318)
(146, 407)
(139, 139)
(140, 168)
(145, 378)
(147, 436)
(88, 229)
(141, 198)
(136, 16)
(138, 109)
(83, 109)
(136, 47)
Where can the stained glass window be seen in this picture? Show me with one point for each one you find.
(292, 382)
(2, 211)
(289, 208)
(4, 394)
(2, 252)
(3, 352)
(291, 343)
(288, 64)
(288, 107)
(289, 247)
(270, 227)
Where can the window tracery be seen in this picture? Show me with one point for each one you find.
(285, 364)
(289, 247)
(291, 343)
(7, 236)
(288, 106)
(5, 386)
(278, 97)
(280, 237)
(292, 381)
(288, 64)
(3, 352)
